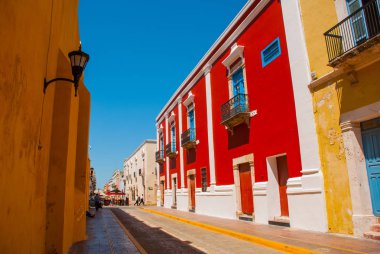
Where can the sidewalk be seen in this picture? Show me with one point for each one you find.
(273, 235)
(104, 235)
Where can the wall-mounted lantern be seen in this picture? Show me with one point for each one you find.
(78, 60)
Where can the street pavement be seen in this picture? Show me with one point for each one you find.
(278, 238)
(104, 236)
(160, 230)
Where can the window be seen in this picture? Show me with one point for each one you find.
(191, 121)
(271, 52)
(172, 130)
(161, 141)
(140, 172)
(238, 82)
(204, 179)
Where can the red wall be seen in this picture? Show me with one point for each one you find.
(201, 150)
(274, 129)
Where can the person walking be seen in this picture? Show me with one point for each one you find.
(142, 199)
(137, 201)
(97, 202)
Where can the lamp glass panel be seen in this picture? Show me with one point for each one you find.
(83, 60)
(77, 60)
(72, 57)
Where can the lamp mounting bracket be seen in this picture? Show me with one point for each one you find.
(46, 83)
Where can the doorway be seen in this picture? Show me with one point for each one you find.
(246, 189)
(192, 192)
(162, 186)
(174, 189)
(282, 178)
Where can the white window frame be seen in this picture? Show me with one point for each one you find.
(237, 52)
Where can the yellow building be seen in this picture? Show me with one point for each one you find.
(43, 136)
(343, 55)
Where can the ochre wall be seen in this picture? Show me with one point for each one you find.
(366, 91)
(317, 17)
(333, 160)
(35, 40)
(327, 115)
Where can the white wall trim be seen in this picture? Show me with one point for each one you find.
(174, 192)
(189, 99)
(362, 214)
(236, 52)
(301, 78)
(210, 128)
(180, 146)
(361, 114)
(167, 142)
(171, 117)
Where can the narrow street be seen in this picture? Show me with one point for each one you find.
(160, 230)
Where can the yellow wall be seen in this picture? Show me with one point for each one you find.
(365, 92)
(317, 18)
(333, 160)
(38, 134)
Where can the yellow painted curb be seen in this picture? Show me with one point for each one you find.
(249, 238)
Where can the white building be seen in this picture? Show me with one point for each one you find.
(140, 173)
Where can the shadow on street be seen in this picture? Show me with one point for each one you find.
(153, 240)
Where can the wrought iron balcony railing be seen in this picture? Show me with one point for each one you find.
(188, 139)
(356, 29)
(171, 150)
(235, 106)
(160, 156)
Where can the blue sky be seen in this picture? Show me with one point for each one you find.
(140, 52)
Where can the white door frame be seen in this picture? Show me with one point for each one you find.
(362, 214)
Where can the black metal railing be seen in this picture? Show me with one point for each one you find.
(188, 136)
(159, 155)
(170, 148)
(238, 104)
(357, 28)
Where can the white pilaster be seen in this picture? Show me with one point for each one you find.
(180, 130)
(167, 142)
(158, 166)
(362, 215)
(309, 188)
(301, 78)
(210, 129)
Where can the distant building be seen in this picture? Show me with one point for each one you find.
(92, 182)
(115, 181)
(140, 174)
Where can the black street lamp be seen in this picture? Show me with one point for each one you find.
(78, 60)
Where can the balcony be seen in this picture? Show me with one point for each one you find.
(359, 32)
(235, 111)
(188, 139)
(171, 150)
(160, 156)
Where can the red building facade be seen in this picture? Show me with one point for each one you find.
(230, 132)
